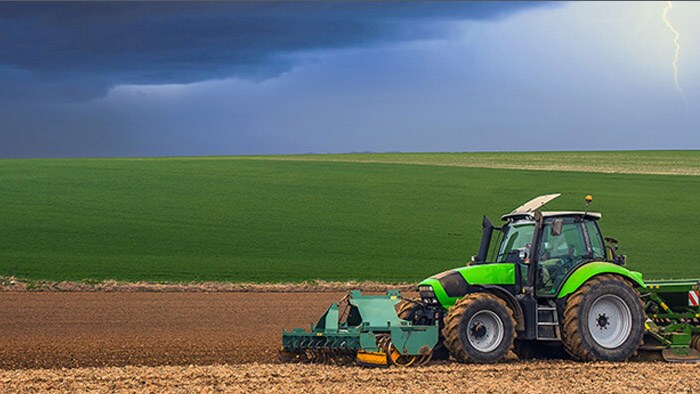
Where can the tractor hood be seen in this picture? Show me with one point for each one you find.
(447, 287)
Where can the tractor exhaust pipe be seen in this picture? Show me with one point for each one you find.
(486, 233)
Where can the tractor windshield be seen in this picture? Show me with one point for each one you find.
(518, 239)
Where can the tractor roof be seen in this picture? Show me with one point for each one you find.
(528, 209)
(525, 215)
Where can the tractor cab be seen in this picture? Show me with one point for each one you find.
(566, 240)
(556, 243)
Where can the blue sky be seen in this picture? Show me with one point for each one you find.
(154, 79)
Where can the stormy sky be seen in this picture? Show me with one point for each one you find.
(155, 79)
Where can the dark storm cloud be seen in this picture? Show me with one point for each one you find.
(80, 50)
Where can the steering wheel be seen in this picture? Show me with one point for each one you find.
(561, 265)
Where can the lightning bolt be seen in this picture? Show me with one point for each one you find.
(669, 5)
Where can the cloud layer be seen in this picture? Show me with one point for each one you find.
(83, 49)
(154, 79)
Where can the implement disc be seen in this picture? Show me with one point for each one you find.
(399, 360)
(695, 342)
(425, 359)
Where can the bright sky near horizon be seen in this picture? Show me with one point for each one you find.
(154, 79)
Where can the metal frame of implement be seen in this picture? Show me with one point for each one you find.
(673, 324)
(365, 328)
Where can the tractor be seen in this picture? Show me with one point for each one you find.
(543, 284)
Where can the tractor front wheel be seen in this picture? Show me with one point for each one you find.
(604, 320)
(479, 328)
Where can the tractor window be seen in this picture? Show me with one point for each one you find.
(559, 254)
(518, 236)
(596, 241)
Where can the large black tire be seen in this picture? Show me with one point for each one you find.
(585, 333)
(467, 324)
(413, 312)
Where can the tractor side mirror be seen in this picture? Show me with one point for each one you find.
(556, 227)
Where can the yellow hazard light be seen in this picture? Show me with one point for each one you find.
(589, 198)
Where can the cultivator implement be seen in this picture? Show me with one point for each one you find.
(362, 329)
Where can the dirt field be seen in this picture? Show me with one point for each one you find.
(521, 377)
(53, 330)
(108, 335)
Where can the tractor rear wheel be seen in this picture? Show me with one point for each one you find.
(415, 313)
(604, 320)
(479, 328)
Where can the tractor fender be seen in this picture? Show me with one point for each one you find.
(503, 294)
(585, 272)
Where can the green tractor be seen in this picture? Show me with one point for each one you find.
(543, 284)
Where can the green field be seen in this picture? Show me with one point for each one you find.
(274, 219)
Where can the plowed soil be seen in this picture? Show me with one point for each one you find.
(514, 377)
(54, 330)
(123, 342)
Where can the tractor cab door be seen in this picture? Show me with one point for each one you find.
(515, 248)
(516, 243)
(565, 244)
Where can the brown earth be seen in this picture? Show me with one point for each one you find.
(518, 377)
(53, 330)
(219, 342)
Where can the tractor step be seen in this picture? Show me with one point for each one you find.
(548, 323)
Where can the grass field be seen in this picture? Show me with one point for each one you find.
(262, 220)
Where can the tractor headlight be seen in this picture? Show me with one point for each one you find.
(427, 294)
